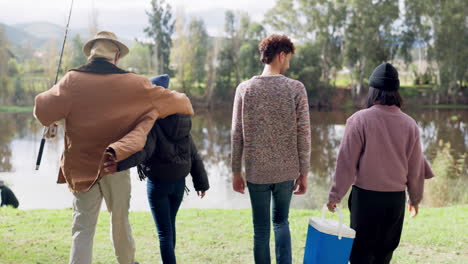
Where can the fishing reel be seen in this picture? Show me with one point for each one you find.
(50, 131)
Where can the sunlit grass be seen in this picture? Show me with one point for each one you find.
(437, 235)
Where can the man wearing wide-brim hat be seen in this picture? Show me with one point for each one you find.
(108, 113)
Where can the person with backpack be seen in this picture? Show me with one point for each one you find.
(381, 157)
(167, 158)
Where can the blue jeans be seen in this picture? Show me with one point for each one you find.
(164, 200)
(260, 197)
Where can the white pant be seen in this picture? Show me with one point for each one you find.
(115, 189)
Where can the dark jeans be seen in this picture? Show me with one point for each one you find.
(260, 198)
(164, 200)
(377, 218)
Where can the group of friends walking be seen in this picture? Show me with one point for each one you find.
(115, 120)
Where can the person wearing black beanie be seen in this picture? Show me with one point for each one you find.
(380, 159)
(385, 78)
(383, 86)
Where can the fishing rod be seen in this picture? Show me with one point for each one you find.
(51, 130)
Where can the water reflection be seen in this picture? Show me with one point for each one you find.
(13, 125)
(20, 135)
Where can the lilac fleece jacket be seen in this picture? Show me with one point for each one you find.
(381, 151)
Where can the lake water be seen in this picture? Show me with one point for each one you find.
(20, 135)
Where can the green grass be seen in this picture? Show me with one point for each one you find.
(437, 235)
(341, 82)
(415, 91)
(16, 109)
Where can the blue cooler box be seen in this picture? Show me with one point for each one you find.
(328, 241)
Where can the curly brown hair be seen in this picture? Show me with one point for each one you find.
(273, 45)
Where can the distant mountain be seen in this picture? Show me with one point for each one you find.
(39, 35)
(19, 37)
(43, 30)
(46, 30)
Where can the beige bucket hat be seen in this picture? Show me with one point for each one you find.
(105, 35)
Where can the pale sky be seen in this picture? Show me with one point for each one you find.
(126, 17)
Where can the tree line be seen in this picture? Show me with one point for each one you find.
(338, 43)
(427, 38)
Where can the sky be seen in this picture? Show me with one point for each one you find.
(125, 17)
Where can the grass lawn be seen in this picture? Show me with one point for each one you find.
(16, 109)
(437, 235)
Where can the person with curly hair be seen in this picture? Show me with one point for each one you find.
(271, 132)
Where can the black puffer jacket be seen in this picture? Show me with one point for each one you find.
(169, 154)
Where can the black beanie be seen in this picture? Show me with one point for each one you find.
(385, 77)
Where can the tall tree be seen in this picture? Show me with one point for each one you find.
(284, 16)
(190, 53)
(416, 30)
(198, 38)
(305, 66)
(212, 60)
(441, 27)
(139, 58)
(249, 57)
(318, 21)
(77, 56)
(50, 62)
(326, 19)
(4, 56)
(370, 37)
(182, 54)
(236, 28)
(227, 56)
(160, 31)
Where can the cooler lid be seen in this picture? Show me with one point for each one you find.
(331, 227)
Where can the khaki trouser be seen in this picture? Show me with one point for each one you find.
(115, 189)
